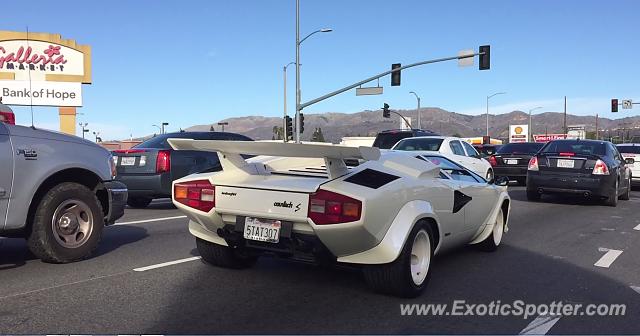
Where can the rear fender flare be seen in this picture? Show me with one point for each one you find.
(487, 228)
(391, 244)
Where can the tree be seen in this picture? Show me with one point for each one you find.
(278, 133)
(457, 135)
(317, 135)
(211, 129)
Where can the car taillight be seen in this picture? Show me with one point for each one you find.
(533, 164)
(600, 168)
(129, 151)
(493, 161)
(114, 170)
(8, 117)
(567, 154)
(198, 194)
(163, 161)
(326, 207)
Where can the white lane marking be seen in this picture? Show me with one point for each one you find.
(616, 217)
(540, 326)
(637, 228)
(608, 258)
(169, 263)
(150, 220)
(635, 288)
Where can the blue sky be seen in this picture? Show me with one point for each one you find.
(197, 62)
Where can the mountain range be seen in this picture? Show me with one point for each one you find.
(368, 123)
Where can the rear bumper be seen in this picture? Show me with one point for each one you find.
(118, 194)
(510, 171)
(599, 186)
(147, 185)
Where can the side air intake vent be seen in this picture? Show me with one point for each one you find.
(371, 178)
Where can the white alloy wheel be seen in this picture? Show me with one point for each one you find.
(420, 257)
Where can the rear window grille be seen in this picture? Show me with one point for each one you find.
(371, 178)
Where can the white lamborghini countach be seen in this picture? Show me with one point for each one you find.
(390, 215)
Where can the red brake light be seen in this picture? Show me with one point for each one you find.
(8, 117)
(567, 154)
(326, 207)
(600, 168)
(129, 151)
(198, 194)
(533, 164)
(163, 161)
(493, 161)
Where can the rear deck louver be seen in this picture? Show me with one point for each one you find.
(371, 178)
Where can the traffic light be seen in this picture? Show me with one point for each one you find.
(614, 105)
(301, 123)
(289, 125)
(395, 76)
(485, 59)
(385, 111)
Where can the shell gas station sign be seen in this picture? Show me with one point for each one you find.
(40, 69)
(518, 133)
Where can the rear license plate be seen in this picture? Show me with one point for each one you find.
(565, 163)
(264, 230)
(511, 161)
(128, 161)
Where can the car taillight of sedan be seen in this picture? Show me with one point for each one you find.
(8, 117)
(533, 164)
(163, 161)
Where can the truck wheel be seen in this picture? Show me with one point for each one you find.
(223, 256)
(491, 243)
(408, 275)
(67, 225)
(138, 202)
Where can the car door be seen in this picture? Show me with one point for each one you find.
(6, 172)
(459, 155)
(474, 159)
(624, 172)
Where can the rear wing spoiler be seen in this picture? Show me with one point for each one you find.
(230, 153)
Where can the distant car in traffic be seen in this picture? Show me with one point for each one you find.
(590, 168)
(149, 168)
(386, 139)
(631, 151)
(453, 148)
(56, 190)
(487, 150)
(512, 160)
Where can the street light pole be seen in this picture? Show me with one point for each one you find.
(530, 124)
(418, 112)
(489, 97)
(298, 42)
(284, 120)
(163, 125)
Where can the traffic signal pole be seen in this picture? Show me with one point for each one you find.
(370, 79)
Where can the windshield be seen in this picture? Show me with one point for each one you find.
(419, 144)
(452, 169)
(387, 140)
(628, 149)
(576, 147)
(520, 148)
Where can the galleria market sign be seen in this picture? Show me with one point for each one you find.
(42, 69)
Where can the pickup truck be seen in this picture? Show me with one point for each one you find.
(57, 191)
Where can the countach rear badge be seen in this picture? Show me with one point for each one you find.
(286, 204)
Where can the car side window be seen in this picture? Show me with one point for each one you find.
(470, 150)
(456, 147)
(615, 152)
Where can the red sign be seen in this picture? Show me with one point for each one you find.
(548, 137)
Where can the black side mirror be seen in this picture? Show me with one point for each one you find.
(500, 181)
(629, 161)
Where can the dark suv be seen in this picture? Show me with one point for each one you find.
(149, 169)
(386, 139)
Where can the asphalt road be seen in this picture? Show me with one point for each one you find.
(548, 255)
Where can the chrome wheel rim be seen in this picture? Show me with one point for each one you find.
(498, 229)
(72, 223)
(420, 257)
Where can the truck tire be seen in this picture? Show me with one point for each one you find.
(491, 243)
(223, 256)
(408, 275)
(67, 224)
(138, 202)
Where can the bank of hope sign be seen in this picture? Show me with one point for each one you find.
(42, 69)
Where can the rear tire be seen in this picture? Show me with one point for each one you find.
(223, 256)
(612, 199)
(533, 195)
(67, 225)
(139, 202)
(627, 194)
(408, 275)
(491, 243)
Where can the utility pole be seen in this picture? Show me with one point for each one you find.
(284, 119)
(565, 115)
(418, 111)
(597, 133)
